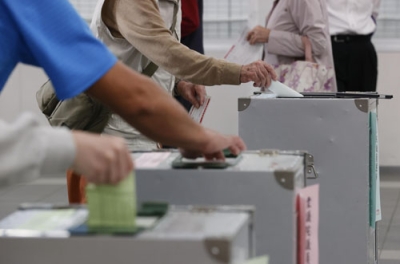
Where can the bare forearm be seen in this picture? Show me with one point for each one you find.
(148, 108)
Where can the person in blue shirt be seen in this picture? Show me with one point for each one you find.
(51, 35)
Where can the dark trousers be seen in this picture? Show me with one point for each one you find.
(195, 42)
(356, 63)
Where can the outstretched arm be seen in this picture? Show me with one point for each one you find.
(156, 114)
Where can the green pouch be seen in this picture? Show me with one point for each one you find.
(112, 208)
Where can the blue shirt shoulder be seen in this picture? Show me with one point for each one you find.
(50, 34)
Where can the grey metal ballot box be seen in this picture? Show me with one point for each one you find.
(337, 133)
(195, 235)
(267, 180)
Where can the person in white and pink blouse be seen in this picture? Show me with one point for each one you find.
(297, 30)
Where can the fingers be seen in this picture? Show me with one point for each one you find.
(255, 35)
(266, 77)
(255, 39)
(252, 76)
(189, 154)
(125, 164)
(195, 94)
(113, 172)
(249, 73)
(252, 39)
(201, 93)
(117, 160)
(259, 72)
(268, 81)
(101, 159)
(263, 75)
(237, 145)
(191, 97)
(271, 71)
(250, 34)
(219, 155)
(121, 168)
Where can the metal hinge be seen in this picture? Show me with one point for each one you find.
(309, 166)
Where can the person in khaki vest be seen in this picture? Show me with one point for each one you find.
(145, 32)
(139, 32)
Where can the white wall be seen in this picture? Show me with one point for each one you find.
(19, 93)
(389, 110)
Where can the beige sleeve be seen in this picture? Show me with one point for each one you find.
(140, 23)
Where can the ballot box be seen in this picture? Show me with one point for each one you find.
(196, 235)
(268, 180)
(337, 132)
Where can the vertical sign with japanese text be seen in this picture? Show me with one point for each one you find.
(308, 225)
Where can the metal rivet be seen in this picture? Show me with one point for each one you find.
(215, 251)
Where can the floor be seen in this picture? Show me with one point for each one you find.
(51, 190)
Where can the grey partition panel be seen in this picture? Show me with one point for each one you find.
(336, 133)
(275, 216)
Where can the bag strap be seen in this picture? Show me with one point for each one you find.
(174, 19)
(307, 49)
(151, 68)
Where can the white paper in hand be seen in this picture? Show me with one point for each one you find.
(197, 114)
(282, 90)
(242, 52)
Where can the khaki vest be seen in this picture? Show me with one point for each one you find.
(129, 55)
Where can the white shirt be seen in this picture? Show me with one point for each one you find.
(28, 150)
(352, 16)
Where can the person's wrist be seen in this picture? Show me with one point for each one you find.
(243, 74)
(176, 90)
(201, 141)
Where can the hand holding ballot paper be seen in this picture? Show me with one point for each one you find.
(242, 52)
(249, 56)
(195, 94)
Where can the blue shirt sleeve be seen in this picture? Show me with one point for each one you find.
(57, 39)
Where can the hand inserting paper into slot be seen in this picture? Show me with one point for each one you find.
(249, 56)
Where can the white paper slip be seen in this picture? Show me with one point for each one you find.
(282, 90)
(242, 52)
(151, 160)
(197, 114)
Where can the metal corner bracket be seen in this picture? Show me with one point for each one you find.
(243, 104)
(310, 171)
(219, 249)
